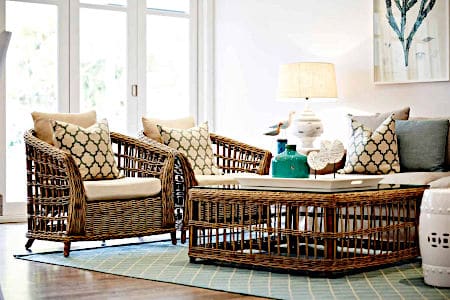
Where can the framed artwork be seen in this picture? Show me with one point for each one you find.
(411, 40)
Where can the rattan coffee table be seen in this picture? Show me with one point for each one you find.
(328, 233)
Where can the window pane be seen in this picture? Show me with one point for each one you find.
(176, 5)
(103, 83)
(167, 66)
(31, 82)
(106, 2)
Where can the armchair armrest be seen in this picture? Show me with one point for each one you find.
(55, 193)
(188, 172)
(136, 158)
(233, 156)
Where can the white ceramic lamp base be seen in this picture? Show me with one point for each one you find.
(307, 127)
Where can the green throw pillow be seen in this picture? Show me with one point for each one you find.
(195, 144)
(422, 144)
(372, 152)
(90, 148)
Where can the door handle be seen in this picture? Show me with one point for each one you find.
(134, 90)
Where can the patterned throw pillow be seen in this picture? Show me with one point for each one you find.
(195, 144)
(151, 131)
(90, 147)
(372, 152)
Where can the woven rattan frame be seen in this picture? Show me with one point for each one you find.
(325, 233)
(237, 157)
(231, 156)
(56, 200)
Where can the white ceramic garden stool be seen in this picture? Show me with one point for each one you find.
(434, 237)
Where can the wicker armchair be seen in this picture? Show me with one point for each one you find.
(231, 156)
(58, 209)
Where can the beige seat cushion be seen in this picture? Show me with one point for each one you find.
(151, 131)
(413, 177)
(43, 127)
(122, 188)
(223, 179)
(216, 179)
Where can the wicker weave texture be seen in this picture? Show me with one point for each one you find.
(56, 201)
(326, 233)
(231, 156)
(236, 157)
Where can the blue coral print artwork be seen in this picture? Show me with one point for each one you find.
(404, 37)
(411, 40)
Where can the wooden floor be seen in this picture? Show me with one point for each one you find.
(21, 279)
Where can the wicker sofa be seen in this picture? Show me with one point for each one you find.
(60, 209)
(424, 169)
(433, 179)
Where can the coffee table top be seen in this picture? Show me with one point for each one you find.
(379, 187)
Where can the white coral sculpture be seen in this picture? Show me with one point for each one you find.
(330, 152)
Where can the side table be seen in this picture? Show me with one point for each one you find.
(434, 237)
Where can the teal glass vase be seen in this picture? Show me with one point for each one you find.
(290, 164)
(281, 145)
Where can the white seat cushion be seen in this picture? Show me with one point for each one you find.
(413, 177)
(441, 183)
(122, 188)
(216, 179)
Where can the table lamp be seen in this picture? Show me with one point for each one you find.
(309, 81)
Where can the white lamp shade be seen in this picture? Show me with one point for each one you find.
(307, 80)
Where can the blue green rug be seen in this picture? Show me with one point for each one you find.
(161, 261)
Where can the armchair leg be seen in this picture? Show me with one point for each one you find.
(173, 236)
(183, 236)
(66, 249)
(29, 243)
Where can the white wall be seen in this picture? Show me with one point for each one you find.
(253, 37)
(2, 113)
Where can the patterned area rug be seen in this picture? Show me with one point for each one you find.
(161, 261)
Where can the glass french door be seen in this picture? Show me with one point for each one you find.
(32, 83)
(103, 65)
(168, 58)
(135, 60)
(124, 59)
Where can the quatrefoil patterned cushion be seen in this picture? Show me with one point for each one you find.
(90, 148)
(195, 144)
(372, 152)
